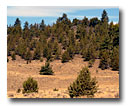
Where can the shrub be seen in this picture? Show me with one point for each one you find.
(105, 60)
(30, 86)
(19, 90)
(7, 60)
(41, 59)
(83, 85)
(46, 70)
(55, 89)
(91, 62)
(13, 56)
(65, 57)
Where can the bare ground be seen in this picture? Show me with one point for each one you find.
(64, 74)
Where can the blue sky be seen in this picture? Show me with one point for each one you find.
(49, 14)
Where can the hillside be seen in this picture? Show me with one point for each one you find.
(61, 51)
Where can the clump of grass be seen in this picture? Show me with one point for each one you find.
(97, 71)
(18, 90)
(55, 89)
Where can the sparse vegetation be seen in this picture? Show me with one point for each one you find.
(84, 85)
(30, 85)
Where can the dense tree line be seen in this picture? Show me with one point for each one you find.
(93, 39)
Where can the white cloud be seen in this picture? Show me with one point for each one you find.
(45, 10)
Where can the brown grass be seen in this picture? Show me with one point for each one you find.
(64, 74)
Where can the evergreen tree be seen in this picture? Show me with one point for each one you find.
(94, 21)
(47, 53)
(28, 56)
(115, 59)
(84, 85)
(37, 54)
(42, 25)
(17, 22)
(76, 21)
(65, 57)
(105, 60)
(46, 70)
(13, 56)
(104, 16)
(64, 39)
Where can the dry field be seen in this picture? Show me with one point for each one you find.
(64, 74)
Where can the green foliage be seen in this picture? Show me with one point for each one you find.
(63, 39)
(28, 56)
(37, 53)
(46, 70)
(13, 56)
(47, 53)
(56, 50)
(17, 22)
(89, 53)
(115, 59)
(42, 26)
(41, 59)
(104, 16)
(105, 60)
(94, 22)
(30, 85)
(65, 57)
(84, 85)
(76, 21)
(91, 62)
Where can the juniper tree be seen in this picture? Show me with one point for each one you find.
(65, 57)
(105, 60)
(84, 85)
(13, 56)
(115, 59)
(28, 56)
(46, 70)
(30, 85)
